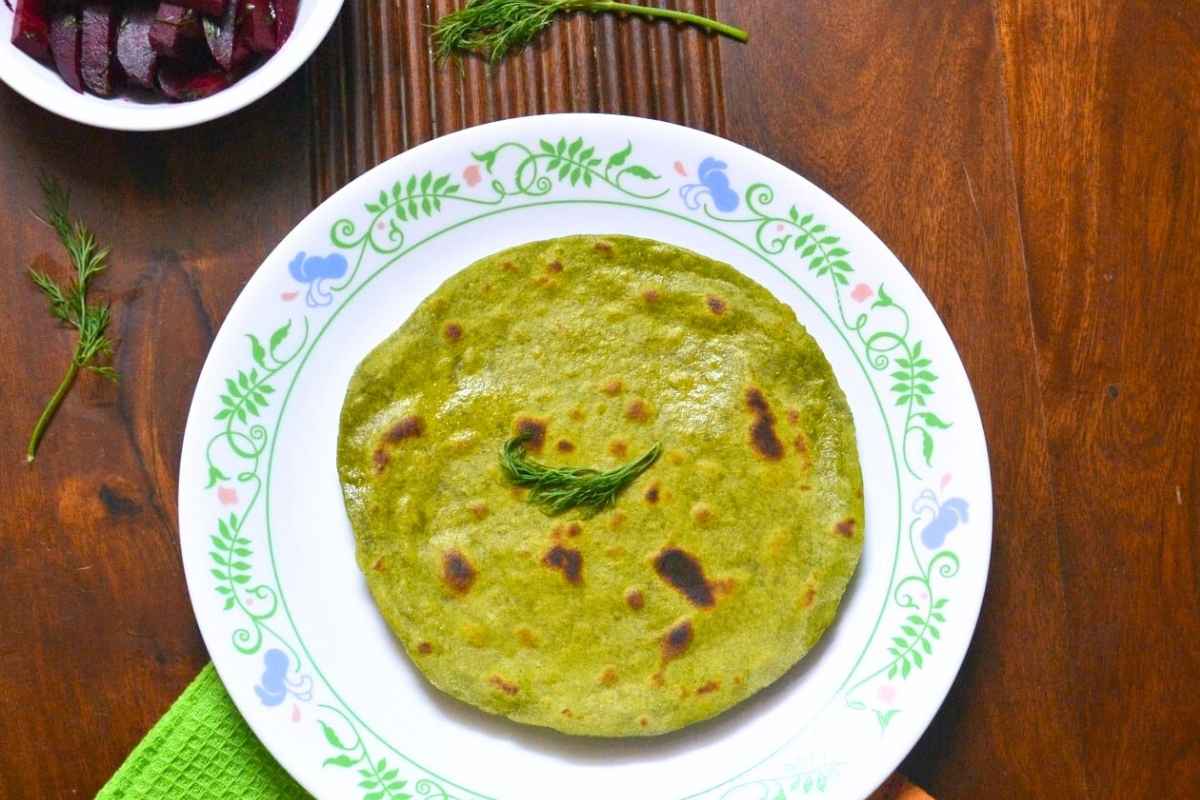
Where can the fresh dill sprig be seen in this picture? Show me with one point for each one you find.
(559, 489)
(68, 304)
(493, 28)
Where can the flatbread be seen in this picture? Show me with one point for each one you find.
(713, 573)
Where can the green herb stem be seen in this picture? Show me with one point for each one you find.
(494, 28)
(50, 410)
(68, 302)
(559, 489)
(716, 26)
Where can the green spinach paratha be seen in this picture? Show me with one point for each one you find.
(713, 573)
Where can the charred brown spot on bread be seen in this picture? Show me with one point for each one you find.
(381, 459)
(452, 331)
(564, 446)
(526, 637)
(379, 565)
(574, 529)
(608, 677)
(710, 686)
(534, 431)
(807, 598)
(801, 444)
(846, 527)
(508, 266)
(410, 427)
(652, 494)
(425, 648)
(651, 296)
(478, 509)
(762, 430)
(702, 513)
(566, 712)
(738, 680)
(603, 247)
(635, 600)
(567, 561)
(618, 448)
(638, 410)
(685, 574)
(613, 388)
(677, 640)
(616, 520)
(576, 414)
(505, 686)
(793, 416)
(715, 304)
(643, 721)
(457, 571)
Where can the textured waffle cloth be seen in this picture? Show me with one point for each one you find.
(202, 749)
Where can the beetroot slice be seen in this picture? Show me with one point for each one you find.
(176, 33)
(180, 83)
(209, 8)
(64, 46)
(227, 48)
(97, 43)
(286, 12)
(31, 29)
(134, 53)
(258, 26)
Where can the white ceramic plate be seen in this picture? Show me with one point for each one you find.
(39, 83)
(269, 552)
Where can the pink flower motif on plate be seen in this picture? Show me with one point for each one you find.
(472, 175)
(227, 496)
(887, 693)
(288, 297)
(945, 480)
(861, 293)
(295, 713)
(680, 168)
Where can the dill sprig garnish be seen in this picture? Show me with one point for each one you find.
(559, 489)
(493, 28)
(68, 304)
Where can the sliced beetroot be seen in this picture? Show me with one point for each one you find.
(137, 58)
(31, 28)
(228, 49)
(286, 12)
(64, 46)
(97, 44)
(180, 83)
(177, 33)
(209, 8)
(258, 26)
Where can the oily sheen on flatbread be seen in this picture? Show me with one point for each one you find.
(713, 573)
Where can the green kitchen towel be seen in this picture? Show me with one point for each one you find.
(201, 749)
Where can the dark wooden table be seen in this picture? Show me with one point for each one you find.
(1035, 163)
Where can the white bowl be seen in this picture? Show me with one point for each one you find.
(39, 82)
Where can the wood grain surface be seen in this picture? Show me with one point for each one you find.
(1035, 164)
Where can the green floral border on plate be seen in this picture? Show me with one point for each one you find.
(517, 175)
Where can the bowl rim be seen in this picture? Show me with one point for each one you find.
(116, 116)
